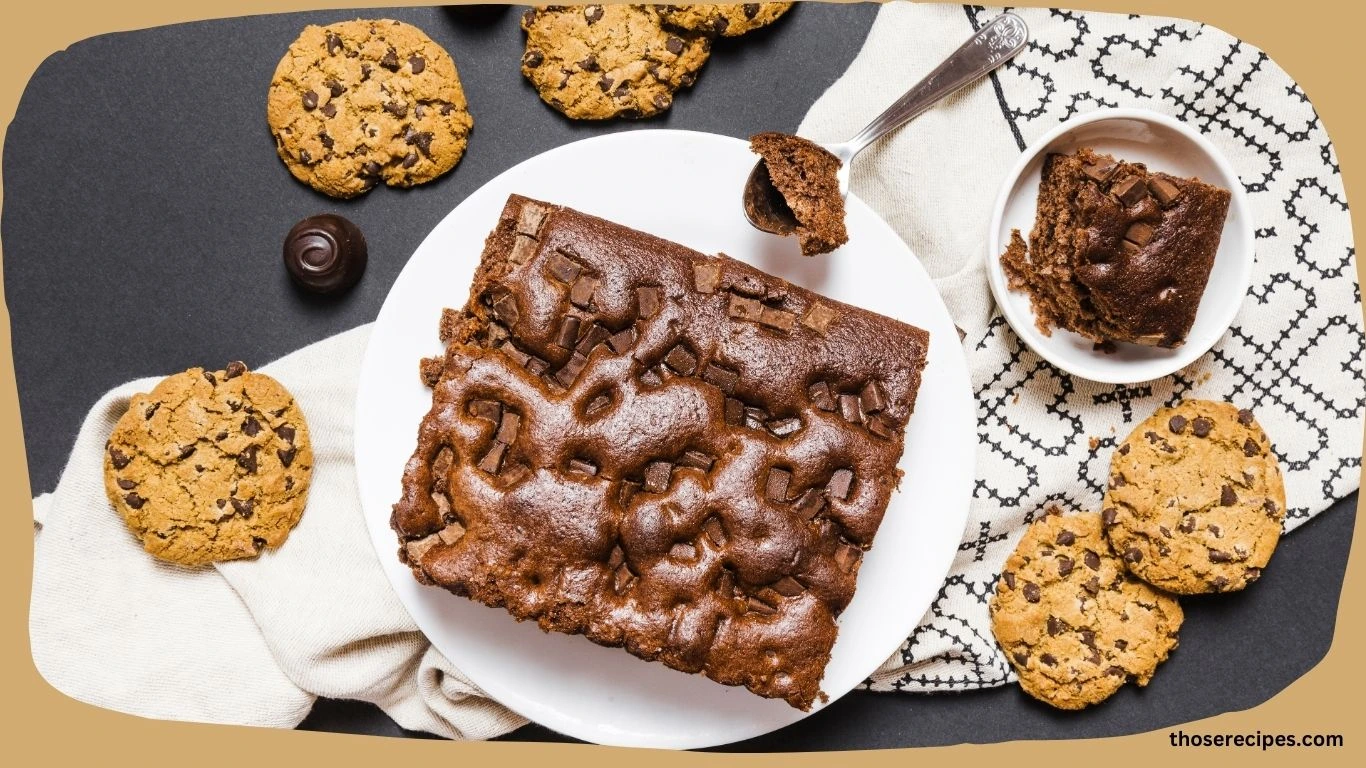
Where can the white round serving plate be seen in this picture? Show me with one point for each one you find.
(683, 186)
(1163, 144)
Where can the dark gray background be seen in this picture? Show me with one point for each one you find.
(145, 209)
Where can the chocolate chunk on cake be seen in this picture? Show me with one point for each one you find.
(1118, 252)
(806, 176)
(658, 449)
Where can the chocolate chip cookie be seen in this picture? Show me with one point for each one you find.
(725, 19)
(210, 465)
(1195, 501)
(1074, 624)
(596, 62)
(359, 102)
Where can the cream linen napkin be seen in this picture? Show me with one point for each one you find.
(248, 642)
(1293, 354)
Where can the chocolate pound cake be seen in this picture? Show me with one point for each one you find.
(661, 450)
(806, 176)
(1118, 252)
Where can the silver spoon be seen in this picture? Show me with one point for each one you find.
(986, 50)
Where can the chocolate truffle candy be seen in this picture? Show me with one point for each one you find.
(325, 253)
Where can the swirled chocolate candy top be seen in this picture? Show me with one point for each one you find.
(325, 253)
(658, 449)
(1118, 252)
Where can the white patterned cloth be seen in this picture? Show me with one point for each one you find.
(257, 642)
(1293, 354)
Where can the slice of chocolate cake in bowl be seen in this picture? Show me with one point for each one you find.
(1118, 253)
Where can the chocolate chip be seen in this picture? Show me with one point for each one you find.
(1021, 658)
(1133, 555)
(784, 427)
(755, 417)
(714, 530)
(1177, 424)
(390, 60)
(788, 587)
(591, 338)
(1187, 524)
(310, 100)
(1108, 515)
(493, 460)
(776, 487)
(657, 476)
(744, 308)
(818, 318)
(247, 458)
(221, 436)
(662, 101)
(581, 292)
(533, 58)
(135, 501)
(697, 460)
(151, 409)
(1100, 169)
(286, 456)
(721, 377)
(1009, 578)
(1048, 659)
(1250, 448)
(251, 427)
(422, 140)
(334, 44)
(568, 333)
(604, 83)
(851, 408)
(1252, 574)
(592, 14)
(234, 369)
(778, 319)
(243, 506)
(1268, 505)
(1092, 560)
(1216, 556)
(1139, 233)
(735, 411)
(873, 398)
(1092, 585)
(759, 606)
(335, 88)
(1130, 190)
(1065, 566)
(417, 64)
(1227, 497)
(505, 309)
(1201, 426)
(674, 45)
(118, 458)
(397, 109)
(326, 140)
(1065, 538)
(647, 301)
(750, 9)
(410, 160)
(841, 480)
(1245, 417)
(1117, 671)
(508, 427)
(846, 556)
(597, 404)
(1218, 583)
(365, 70)
(681, 360)
(621, 342)
(821, 396)
(1031, 592)
(371, 170)
(1165, 191)
(127, 485)
(1055, 626)
(810, 503)
(583, 467)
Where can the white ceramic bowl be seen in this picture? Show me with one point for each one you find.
(1163, 144)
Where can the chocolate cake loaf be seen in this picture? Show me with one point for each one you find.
(658, 449)
(1118, 252)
